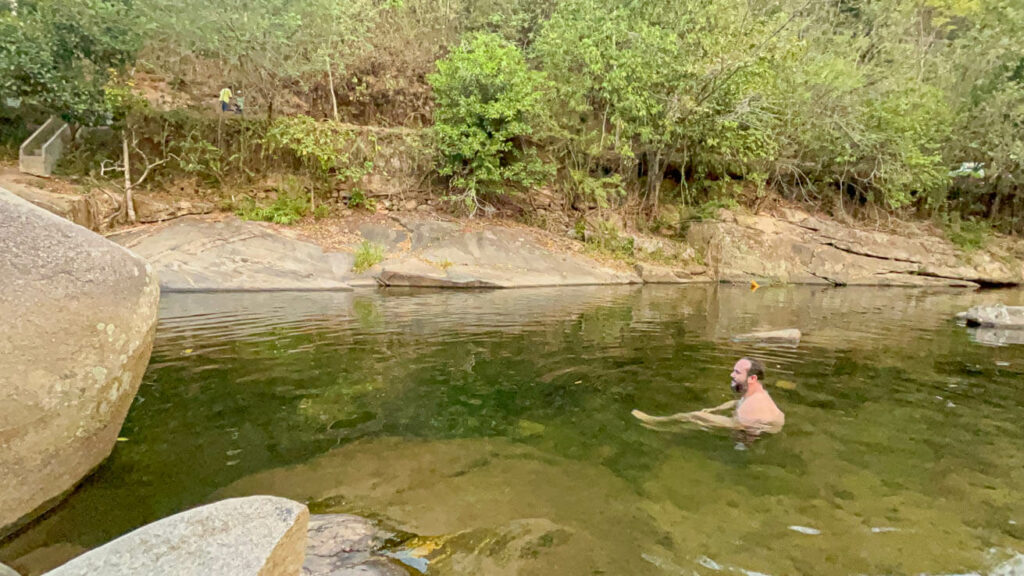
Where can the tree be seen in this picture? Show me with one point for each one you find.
(487, 102)
(58, 54)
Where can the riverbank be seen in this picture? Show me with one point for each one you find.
(414, 242)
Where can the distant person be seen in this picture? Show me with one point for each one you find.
(239, 103)
(225, 99)
(755, 412)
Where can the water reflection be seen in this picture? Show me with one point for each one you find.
(495, 425)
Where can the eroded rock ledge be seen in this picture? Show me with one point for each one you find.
(224, 253)
(797, 248)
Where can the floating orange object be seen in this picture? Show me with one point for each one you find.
(754, 285)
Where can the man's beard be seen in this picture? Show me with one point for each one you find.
(738, 387)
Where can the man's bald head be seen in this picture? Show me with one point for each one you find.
(743, 372)
(755, 368)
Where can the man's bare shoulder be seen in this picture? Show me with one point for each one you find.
(759, 407)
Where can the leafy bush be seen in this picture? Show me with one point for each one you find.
(287, 209)
(358, 199)
(368, 255)
(326, 149)
(486, 103)
(969, 235)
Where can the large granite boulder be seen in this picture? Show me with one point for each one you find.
(79, 315)
(251, 536)
(797, 248)
(193, 254)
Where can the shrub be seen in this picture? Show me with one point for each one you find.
(287, 209)
(486, 101)
(368, 255)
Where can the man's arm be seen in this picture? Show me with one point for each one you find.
(726, 406)
(701, 418)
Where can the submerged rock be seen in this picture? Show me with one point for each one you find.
(787, 336)
(252, 536)
(652, 274)
(79, 315)
(998, 316)
(345, 544)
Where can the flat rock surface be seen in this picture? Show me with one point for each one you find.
(442, 254)
(251, 536)
(79, 316)
(225, 254)
(195, 254)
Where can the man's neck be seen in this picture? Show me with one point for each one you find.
(755, 388)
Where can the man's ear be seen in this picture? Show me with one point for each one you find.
(751, 378)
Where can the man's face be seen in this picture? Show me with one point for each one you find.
(739, 376)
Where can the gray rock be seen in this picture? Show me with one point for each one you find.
(444, 255)
(79, 315)
(387, 236)
(251, 536)
(344, 544)
(194, 254)
(81, 210)
(997, 316)
(6, 570)
(148, 210)
(653, 274)
(787, 336)
(800, 249)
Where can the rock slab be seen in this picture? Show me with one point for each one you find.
(193, 254)
(250, 536)
(797, 248)
(786, 336)
(443, 254)
(79, 316)
(998, 316)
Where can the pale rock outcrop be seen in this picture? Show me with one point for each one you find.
(250, 536)
(797, 248)
(193, 254)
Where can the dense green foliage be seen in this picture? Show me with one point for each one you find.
(847, 105)
(57, 55)
(486, 100)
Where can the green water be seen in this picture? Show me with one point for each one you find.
(496, 426)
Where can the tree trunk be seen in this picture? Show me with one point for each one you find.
(655, 174)
(128, 202)
(334, 98)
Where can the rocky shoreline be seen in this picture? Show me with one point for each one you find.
(224, 253)
(194, 248)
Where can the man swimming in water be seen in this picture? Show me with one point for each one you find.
(756, 412)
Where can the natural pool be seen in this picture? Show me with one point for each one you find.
(496, 424)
